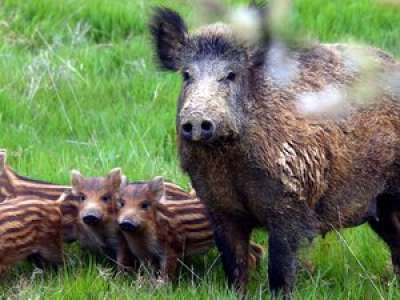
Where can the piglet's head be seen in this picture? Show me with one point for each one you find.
(97, 196)
(137, 204)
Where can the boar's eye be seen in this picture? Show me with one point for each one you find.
(186, 76)
(231, 76)
(106, 198)
(145, 205)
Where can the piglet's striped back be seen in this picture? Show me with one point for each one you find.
(175, 192)
(30, 226)
(190, 230)
(14, 185)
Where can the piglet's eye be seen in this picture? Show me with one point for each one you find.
(120, 204)
(82, 197)
(145, 205)
(105, 198)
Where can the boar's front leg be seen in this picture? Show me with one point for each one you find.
(281, 264)
(232, 237)
(287, 233)
(387, 225)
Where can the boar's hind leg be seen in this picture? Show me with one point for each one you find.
(387, 225)
(232, 238)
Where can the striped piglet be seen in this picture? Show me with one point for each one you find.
(160, 233)
(32, 227)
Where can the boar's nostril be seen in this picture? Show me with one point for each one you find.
(129, 226)
(91, 219)
(207, 129)
(187, 130)
(206, 126)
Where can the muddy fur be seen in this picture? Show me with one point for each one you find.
(266, 165)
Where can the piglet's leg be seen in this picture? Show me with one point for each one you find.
(126, 261)
(256, 253)
(37, 260)
(232, 238)
(169, 265)
(52, 255)
(3, 269)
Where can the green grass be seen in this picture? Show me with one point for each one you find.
(79, 89)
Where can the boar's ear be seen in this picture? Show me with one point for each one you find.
(3, 158)
(114, 178)
(169, 33)
(156, 187)
(76, 181)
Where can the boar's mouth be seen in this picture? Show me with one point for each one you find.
(214, 142)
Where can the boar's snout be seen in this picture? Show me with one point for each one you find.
(198, 130)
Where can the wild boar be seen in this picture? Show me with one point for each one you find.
(255, 160)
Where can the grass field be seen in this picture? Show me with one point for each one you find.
(79, 89)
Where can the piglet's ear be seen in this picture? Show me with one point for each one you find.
(157, 188)
(76, 181)
(3, 159)
(169, 33)
(114, 178)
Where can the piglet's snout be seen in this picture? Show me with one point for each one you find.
(92, 217)
(129, 225)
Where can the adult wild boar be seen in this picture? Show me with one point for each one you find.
(256, 161)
